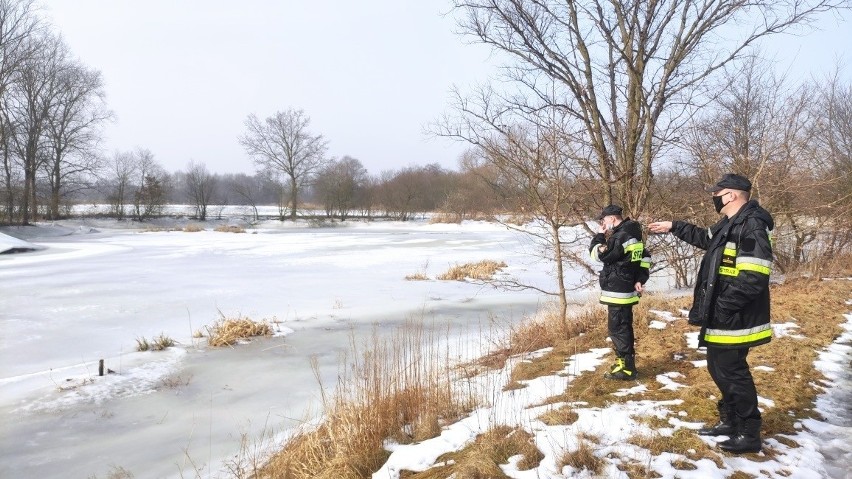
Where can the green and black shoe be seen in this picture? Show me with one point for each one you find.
(624, 369)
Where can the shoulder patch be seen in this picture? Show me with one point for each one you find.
(747, 245)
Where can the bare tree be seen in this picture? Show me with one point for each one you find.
(201, 186)
(151, 187)
(37, 88)
(18, 26)
(248, 189)
(120, 171)
(624, 71)
(338, 184)
(72, 131)
(763, 129)
(282, 145)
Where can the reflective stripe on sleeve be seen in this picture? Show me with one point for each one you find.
(646, 262)
(594, 253)
(750, 263)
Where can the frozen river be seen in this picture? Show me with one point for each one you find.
(96, 288)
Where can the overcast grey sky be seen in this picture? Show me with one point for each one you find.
(181, 76)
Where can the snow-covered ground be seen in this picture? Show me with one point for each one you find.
(825, 447)
(97, 286)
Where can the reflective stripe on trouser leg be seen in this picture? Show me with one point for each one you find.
(620, 327)
(618, 299)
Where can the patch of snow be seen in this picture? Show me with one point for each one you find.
(631, 391)
(654, 324)
(781, 330)
(667, 380)
(664, 315)
(692, 339)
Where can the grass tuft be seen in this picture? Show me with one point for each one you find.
(193, 228)
(417, 277)
(229, 229)
(229, 331)
(483, 270)
(583, 458)
(158, 343)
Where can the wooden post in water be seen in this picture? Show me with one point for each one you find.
(101, 368)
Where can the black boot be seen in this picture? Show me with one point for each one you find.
(624, 368)
(725, 426)
(747, 438)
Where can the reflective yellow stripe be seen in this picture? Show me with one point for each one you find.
(594, 253)
(611, 297)
(729, 252)
(740, 336)
(728, 271)
(748, 263)
(645, 264)
(619, 301)
(635, 249)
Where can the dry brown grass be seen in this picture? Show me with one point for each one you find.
(816, 306)
(563, 416)
(683, 442)
(583, 458)
(417, 277)
(193, 228)
(157, 343)
(398, 388)
(482, 458)
(229, 331)
(229, 229)
(546, 330)
(483, 270)
(444, 217)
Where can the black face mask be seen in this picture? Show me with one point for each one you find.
(717, 202)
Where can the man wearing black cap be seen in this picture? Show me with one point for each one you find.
(731, 303)
(618, 245)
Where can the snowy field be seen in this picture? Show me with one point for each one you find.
(93, 287)
(97, 286)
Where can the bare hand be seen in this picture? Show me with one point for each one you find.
(638, 287)
(660, 226)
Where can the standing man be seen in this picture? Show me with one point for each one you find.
(731, 303)
(618, 245)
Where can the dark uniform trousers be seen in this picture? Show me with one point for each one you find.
(729, 370)
(620, 324)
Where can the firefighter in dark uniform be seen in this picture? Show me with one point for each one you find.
(619, 246)
(731, 303)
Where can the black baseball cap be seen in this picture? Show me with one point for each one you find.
(732, 181)
(610, 210)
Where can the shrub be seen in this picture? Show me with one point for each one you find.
(193, 228)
